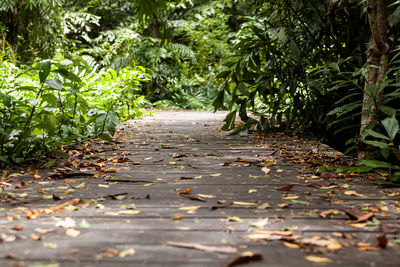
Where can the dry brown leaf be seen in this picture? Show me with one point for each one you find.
(177, 218)
(186, 192)
(285, 188)
(327, 213)
(382, 241)
(36, 237)
(353, 193)
(245, 257)
(226, 249)
(17, 227)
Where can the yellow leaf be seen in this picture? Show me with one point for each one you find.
(260, 223)
(104, 186)
(334, 246)
(72, 232)
(253, 191)
(318, 259)
(177, 218)
(147, 185)
(266, 170)
(279, 170)
(358, 225)
(189, 208)
(290, 197)
(216, 174)
(291, 245)
(128, 252)
(198, 177)
(240, 203)
(149, 158)
(172, 163)
(205, 196)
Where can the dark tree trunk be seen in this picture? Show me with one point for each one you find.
(156, 27)
(377, 64)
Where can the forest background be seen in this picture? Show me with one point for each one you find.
(74, 69)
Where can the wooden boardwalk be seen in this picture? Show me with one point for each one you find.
(172, 190)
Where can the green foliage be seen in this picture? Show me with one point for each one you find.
(60, 101)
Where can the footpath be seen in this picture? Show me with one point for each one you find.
(173, 190)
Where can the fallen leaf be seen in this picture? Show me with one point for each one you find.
(353, 193)
(128, 252)
(279, 170)
(291, 197)
(266, 170)
(36, 237)
(226, 249)
(234, 219)
(66, 223)
(72, 232)
(177, 218)
(382, 241)
(21, 186)
(186, 192)
(253, 191)
(260, 223)
(84, 224)
(50, 245)
(318, 259)
(44, 231)
(205, 196)
(334, 246)
(241, 203)
(216, 174)
(369, 249)
(358, 215)
(285, 188)
(17, 227)
(245, 257)
(264, 206)
(358, 225)
(291, 245)
(327, 213)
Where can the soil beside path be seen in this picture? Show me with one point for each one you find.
(173, 190)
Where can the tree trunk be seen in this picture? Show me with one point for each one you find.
(377, 64)
(156, 27)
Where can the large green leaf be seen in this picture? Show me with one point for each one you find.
(44, 67)
(391, 126)
(378, 164)
(54, 84)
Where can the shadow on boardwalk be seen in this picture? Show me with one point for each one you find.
(173, 190)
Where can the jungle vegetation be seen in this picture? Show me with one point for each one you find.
(74, 69)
